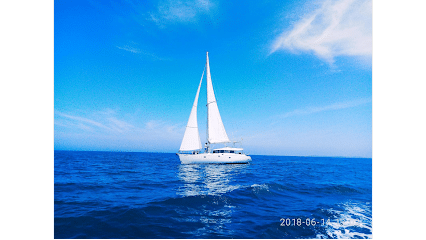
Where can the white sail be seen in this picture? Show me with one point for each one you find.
(216, 131)
(191, 138)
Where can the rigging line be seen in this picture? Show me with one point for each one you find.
(203, 72)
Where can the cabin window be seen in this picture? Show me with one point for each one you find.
(231, 151)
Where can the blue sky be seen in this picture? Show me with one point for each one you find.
(290, 78)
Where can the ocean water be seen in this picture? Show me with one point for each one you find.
(151, 195)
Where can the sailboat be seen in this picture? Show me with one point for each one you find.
(191, 151)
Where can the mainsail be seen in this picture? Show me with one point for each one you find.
(191, 138)
(216, 131)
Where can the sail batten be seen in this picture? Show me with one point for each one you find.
(215, 129)
(191, 138)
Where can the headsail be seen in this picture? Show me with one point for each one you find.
(216, 131)
(191, 138)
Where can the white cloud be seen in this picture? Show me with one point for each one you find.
(101, 121)
(153, 124)
(335, 106)
(82, 120)
(106, 112)
(179, 11)
(106, 122)
(163, 127)
(119, 125)
(136, 50)
(336, 28)
(129, 49)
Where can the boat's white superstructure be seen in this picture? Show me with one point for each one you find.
(190, 151)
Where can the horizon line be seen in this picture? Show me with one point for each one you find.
(318, 156)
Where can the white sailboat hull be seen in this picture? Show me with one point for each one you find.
(213, 158)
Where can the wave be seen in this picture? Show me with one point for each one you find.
(153, 196)
(216, 216)
(353, 221)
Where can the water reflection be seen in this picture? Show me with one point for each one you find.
(207, 185)
(190, 175)
(211, 179)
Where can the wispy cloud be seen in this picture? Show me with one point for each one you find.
(106, 112)
(163, 127)
(110, 130)
(82, 120)
(136, 50)
(153, 124)
(129, 49)
(119, 125)
(179, 11)
(335, 106)
(101, 121)
(336, 28)
(107, 122)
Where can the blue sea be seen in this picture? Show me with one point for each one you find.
(151, 195)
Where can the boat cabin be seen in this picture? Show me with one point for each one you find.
(228, 150)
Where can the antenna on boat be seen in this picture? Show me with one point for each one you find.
(233, 141)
